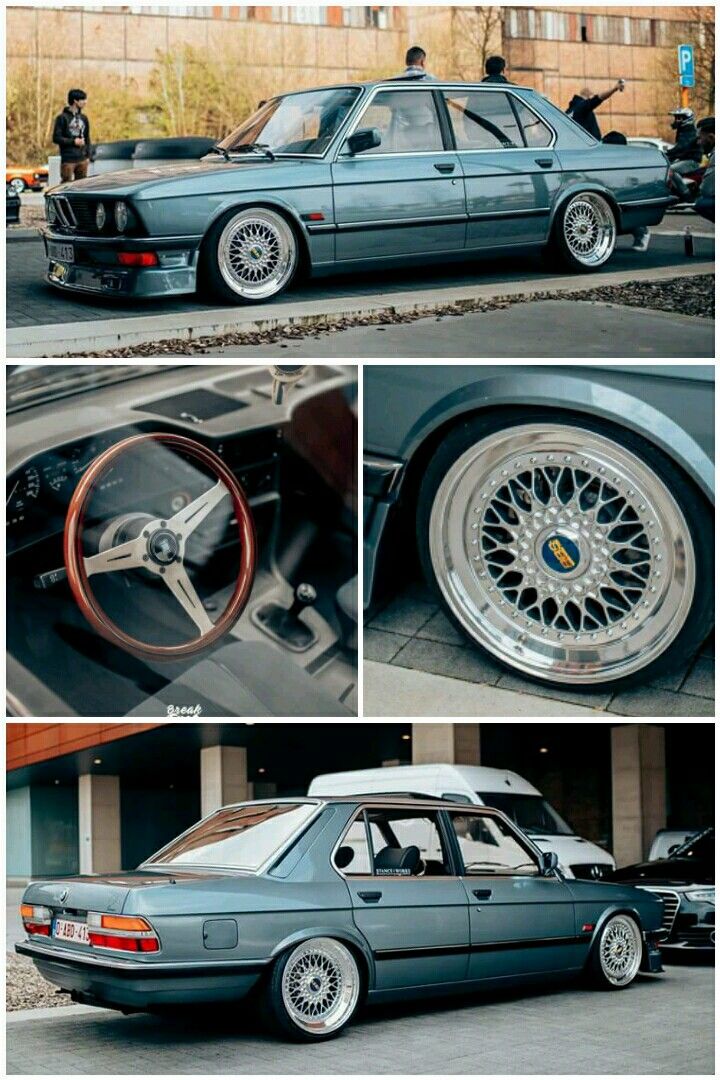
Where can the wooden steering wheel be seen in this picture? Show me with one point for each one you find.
(160, 549)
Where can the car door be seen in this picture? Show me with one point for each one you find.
(521, 922)
(510, 169)
(413, 913)
(405, 196)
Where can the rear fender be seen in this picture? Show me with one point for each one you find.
(346, 935)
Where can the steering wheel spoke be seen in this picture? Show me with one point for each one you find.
(187, 520)
(127, 556)
(177, 580)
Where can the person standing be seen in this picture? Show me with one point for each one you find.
(415, 68)
(495, 70)
(72, 134)
(583, 105)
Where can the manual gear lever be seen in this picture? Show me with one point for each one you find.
(285, 375)
(285, 624)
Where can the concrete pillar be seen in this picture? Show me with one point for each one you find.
(223, 777)
(446, 744)
(638, 789)
(99, 823)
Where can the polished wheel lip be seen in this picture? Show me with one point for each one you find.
(589, 228)
(257, 253)
(620, 950)
(320, 986)
(518, 641)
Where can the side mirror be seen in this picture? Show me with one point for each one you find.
(549, 863)
(365, 139)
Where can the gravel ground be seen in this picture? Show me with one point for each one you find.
(683, 295)
(31, 217)
(25, 989)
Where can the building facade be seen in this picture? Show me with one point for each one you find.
(556, 50)
(95, 797)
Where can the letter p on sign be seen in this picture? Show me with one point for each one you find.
(686, 65)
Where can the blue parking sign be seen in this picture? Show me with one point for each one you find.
(686, 65)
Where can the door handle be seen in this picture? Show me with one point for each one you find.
(482, 894)
(444, 167)
(370, 897)
(544, 162)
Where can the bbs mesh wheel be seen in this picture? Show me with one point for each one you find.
(572, 552)
(313, 990)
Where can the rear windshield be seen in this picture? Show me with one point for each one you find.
(239, 838)
(531, 813)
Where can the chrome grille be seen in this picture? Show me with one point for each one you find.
(591, 871)
(671, 903)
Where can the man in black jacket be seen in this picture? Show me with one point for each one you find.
(72, 135)
(495, 70)
(583, 105)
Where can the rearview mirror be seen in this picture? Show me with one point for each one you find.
(365, 139)
(549, 863)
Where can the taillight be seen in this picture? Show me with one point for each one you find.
(36, 919)
(137, 258)
(129, 933)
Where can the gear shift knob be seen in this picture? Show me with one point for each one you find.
(305, 595)
(285, 375)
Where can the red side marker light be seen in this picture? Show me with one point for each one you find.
(137, 258)
(316, 217)
(587, 927)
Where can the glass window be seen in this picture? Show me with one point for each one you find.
(303, 123)
(483, 120)
(531, 813)
(353, 856)
(521, 23)
(488, 846)
(407, 843)
(239, 838)
(535, 131)
(407, 121)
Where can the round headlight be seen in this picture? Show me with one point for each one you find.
(100, 216)
(121, 216)
(51, 211)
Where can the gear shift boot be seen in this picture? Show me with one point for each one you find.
(286, 624)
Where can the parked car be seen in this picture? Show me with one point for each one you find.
(22, 177)
(650, 140)
(359, 176)
(180, 544)
(12, 205)
(685, 882)
(320, 904)
(562, 516)
(666, 841)
(504, 790)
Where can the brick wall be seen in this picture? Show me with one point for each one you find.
(27, 744)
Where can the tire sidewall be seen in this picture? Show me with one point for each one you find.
(694, 508)
(209, 277)
(560, 243)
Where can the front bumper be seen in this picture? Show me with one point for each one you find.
(95, 267)
(123, 983)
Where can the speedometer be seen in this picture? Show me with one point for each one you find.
(23, 490)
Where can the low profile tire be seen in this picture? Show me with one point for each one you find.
(616, 954)
(18, 185)
(313, 990)
(572, 551)
(584, 232)
(249, 256)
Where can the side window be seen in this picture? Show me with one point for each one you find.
(407, 843)
(488, 846)
(353, 856)
(535, 131)
(483, 120)
(407, 121)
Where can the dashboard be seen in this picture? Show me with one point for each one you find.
(38, 492)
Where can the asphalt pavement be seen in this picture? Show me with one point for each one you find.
(661, 1024)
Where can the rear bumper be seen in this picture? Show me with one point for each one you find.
(141, 984)
(635, 215)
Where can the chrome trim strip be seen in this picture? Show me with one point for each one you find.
(139, 967)
(440, 219)
(647, 202)
(530, 212)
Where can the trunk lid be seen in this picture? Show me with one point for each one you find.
(100, 892)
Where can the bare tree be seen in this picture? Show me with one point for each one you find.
(476, 33)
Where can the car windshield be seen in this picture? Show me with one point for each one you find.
(238, 838)
(531, 813)
(303, 123)
(699, 846)
(34, 384)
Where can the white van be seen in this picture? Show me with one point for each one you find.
(500, 788)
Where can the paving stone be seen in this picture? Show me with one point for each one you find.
(649, 701)
(589, 699)
(381, 645)
(442, 659)
(701, 680)
(404, 615)
(439, 628)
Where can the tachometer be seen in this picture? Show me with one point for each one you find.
(23, 490)
(56, 474)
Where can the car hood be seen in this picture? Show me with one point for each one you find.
(572, 849)
(667, 872)
(194, 178)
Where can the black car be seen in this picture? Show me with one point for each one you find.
(12, 206)
(685, 883)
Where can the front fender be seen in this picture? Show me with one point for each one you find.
(271, 201)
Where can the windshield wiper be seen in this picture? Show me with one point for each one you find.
(252, 147)
(219, 150)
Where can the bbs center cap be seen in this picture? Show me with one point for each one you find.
(561, 554)
(163, 547)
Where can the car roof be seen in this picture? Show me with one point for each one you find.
(402, 799)
(394, 80)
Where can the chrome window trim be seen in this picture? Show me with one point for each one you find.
(384, 877)
(467, 809)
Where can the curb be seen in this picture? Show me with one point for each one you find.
(69, 1012)
(104, 334)
(13, 235)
